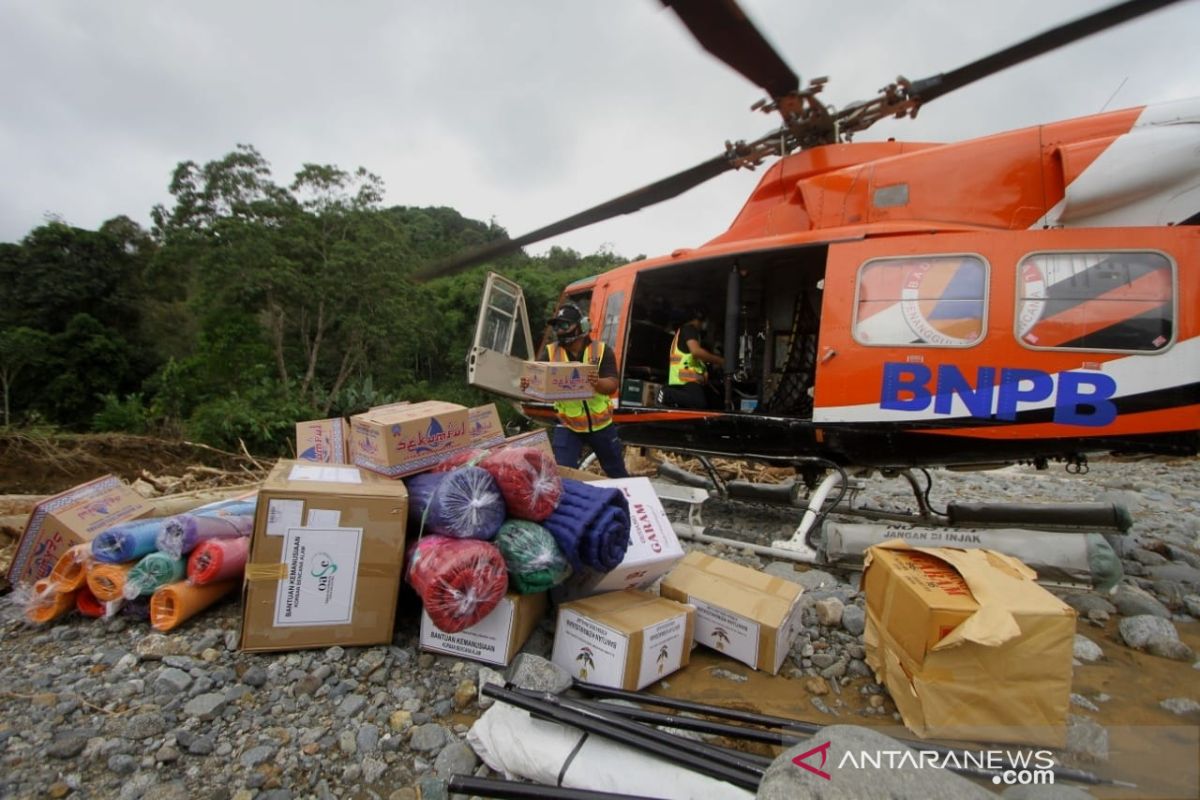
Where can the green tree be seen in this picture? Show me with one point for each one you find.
(20, 349)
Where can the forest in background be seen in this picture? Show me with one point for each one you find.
(249, 305)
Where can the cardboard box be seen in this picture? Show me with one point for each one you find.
(559, 380)
(70, 518)
(968, 644)
(323, 440)
(650, 393)
(485, 427)
(539, 438)
(741, 612)
(626, 640)
(496, 638)
(406, 438)
(325, 558)
(653, 546)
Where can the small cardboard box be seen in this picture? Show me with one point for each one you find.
(406, 438)
(741, 612)
(325, 558)
(625, 640)
(323, 440)
(650, 393)
(496, 638)
(484, 423)
(73, 517)
(653, 546)
(539, 438)
(968, 644)
(559, 380)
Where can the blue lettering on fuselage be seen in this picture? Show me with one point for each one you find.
(1080, 398)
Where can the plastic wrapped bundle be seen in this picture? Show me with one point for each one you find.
(70, 571)
(47, 603)
(463, 504)
(153, 571)
(591, 525)
(107, 581)
(175, 603)
(535, 562)
(137, 608)
(128, 541)
(218, 560)
(528, 479)
(463, 458)
(87, 604)
(227, 519)
(460, 581)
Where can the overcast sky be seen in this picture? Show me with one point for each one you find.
(523, 111)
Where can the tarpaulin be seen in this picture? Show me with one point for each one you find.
(460, 581)
(153, 571)
(175, 603)
(464, 504)
(218, 560)
(535, 562)
(528, 479)
(591, 525)
(226, 519)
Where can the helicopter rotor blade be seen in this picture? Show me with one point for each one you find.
(650, 194)
(935, 86)
(723, 29)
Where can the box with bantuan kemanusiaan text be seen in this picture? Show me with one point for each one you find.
(558, 380)
(323, 440)
(625, 640)
(72, 517)
(741, 612)
(325, 558)
(496, 638)
(404, 439)
(968, 644)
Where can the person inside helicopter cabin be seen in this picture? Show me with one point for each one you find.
(687, 382)
(584, 422)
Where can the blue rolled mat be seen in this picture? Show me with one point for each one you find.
(463, 504)
(591, 525)
(127, 541)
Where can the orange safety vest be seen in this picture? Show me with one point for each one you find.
(583, 416)
(685, 367)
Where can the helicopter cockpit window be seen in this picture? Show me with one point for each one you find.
(921, 300)
(1123, 301)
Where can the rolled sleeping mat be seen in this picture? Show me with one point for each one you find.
(528, 479)
(175, 603)
(154, 570)
(127, 542)
(47, 604)
(463, 504)
(87, 604)
(70, 571)
(1091, 516)
(107, 581)
(218, 560)
(534, 560)
(460, 581)
(226, 519)
(591, 526)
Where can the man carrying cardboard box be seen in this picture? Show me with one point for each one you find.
(586, 421)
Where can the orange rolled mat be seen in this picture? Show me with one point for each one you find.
(174, 603)
(87, 604)
(47, 603)
(107, 581)
(70, 571)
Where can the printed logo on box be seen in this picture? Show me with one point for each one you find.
(435, 438)
(590, 651)
(662, 649)
(322, 571)
(322, 447)
(486, 640)
(731, 634)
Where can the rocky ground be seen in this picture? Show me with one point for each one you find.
(110, 709)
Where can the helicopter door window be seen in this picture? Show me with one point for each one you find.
(934, 301)
(612, 316)
(1115, 301)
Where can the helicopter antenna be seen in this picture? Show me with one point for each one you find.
(1115, 92)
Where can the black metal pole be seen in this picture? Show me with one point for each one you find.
(494, 787)
(664, 745)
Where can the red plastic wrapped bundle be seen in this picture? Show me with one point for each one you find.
(218, 560)
(465, 458)
(528, 479)
(460, 581)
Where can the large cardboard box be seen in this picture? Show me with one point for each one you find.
(325, 558)
(403, 439)
(559, 380)
(626, 640)
(323, 440)
(653, 546)
(968, 644)
(741, 612)
(73, 517)
(484, 422)
(496, 638)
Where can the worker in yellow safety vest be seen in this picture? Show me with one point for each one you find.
(687, 378)
(589, 421)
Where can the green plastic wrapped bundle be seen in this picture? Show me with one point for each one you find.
(155, 570)
(535, 562)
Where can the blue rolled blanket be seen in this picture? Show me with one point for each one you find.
(463, 504)
(591, 525)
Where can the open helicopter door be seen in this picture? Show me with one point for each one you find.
(502, 339)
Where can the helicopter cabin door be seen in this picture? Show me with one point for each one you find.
(502, 339)
(1040, 333)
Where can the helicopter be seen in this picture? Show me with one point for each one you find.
(1023, 297)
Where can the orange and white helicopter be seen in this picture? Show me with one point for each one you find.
(1022, 297)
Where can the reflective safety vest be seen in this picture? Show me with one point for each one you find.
(583, 416)
(685, 367)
